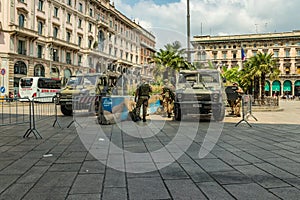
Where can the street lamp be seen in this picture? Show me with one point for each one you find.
(188, 32)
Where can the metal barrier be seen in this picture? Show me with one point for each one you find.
(247, 101)
(25, 111)
(83, 106)
(15, 111)
(42, 109)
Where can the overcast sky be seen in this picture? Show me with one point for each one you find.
(167, 19)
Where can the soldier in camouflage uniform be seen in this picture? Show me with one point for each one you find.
(168, 97)
(142, 95)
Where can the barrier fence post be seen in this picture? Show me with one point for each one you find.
(32, 128)
(249, 112)
(246, 108)
(55, 110)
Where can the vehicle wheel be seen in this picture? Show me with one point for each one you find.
(66, 110)
(177, 112)
(219, 113)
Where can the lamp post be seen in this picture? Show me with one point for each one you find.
(188, 32)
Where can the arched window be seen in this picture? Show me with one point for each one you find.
(39, 70)
(21, 20)
(101, 39)
(20, 68)
(54, 72)
(67, 75)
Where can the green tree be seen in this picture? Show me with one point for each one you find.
(261, 66)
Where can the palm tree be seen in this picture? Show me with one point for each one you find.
(175, 47)
(260, 66)
(168, 61)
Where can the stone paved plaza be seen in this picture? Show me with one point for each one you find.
(258, 162)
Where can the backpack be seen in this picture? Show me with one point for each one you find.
(144, 89)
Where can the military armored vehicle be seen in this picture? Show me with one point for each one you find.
(88, 85)
(199, 92)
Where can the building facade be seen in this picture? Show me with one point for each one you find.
(60, 38)
(227, 51)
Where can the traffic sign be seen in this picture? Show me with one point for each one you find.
(2, 89)
(3, 71)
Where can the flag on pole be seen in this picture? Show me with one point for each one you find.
(243, 55)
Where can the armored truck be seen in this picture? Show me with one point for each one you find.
(199, 92)
(87, 85)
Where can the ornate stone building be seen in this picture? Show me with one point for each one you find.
(59, 38)
(226, 51)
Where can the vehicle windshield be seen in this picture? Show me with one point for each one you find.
(209, 78)
(74, 81)
(187, 78)
(89, 80)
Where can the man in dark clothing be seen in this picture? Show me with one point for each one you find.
(142, 95)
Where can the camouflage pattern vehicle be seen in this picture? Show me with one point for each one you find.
(199, 92)
(82, 85)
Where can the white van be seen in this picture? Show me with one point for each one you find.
(38, 88)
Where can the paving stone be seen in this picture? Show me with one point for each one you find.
(19, 166)
(87, 184)
(249, 191)
(93, 167)
(275, 171)
(196, 173)
(114, 194)
(184, 189)
(65, 167)
(114, 178)
(264, 179)
(173, 171)
(230, 158)
(143, 175)
(214, 191)
(147, 188)
(248, 157)
(16, 191)
(84, 197)
(71, 157)
(263, 154)
(213, 165)
(33, 174)
(230, 177)
(286, 164)
(51, 179)
(5, 163)
(42, 192)
(6, 180)
(289, 193)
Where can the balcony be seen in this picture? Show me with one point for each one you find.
(22, 51)
(102, 23)
(62, 43)
(148, 46)
(56, 58)
(15, 30)
(68, 61)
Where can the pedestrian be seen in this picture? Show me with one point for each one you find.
(142, 95)
(168, 97)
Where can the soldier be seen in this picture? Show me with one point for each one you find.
(236, 105)
(142, 95)
(168, 97)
